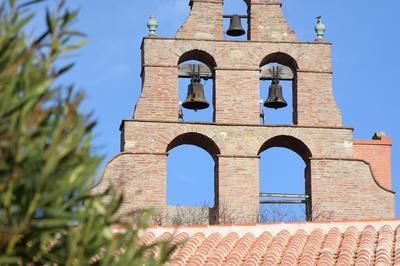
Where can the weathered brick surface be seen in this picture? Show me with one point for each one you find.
(237, 96)
(240, 140)
(238, 186)
(346, 190)
(159, 97)
(315, 101)
(204, 21)
(346, 179)
(141, 177)
(267, 22)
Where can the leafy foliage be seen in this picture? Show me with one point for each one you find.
(48, 214)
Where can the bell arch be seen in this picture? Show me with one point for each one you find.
(199, 55)
(196, 76)
(196, 139)
(281, 58)
(200, 189)
(295, 193)
(281, 69)
(288, 142)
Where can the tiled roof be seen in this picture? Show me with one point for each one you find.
(330, 243)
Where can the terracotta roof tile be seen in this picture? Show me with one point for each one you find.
(258, 250)
(294, 249)
(330, 243)
(239, 251)
(312, 248)
(397, 247)
(201, 254)
(275, 251)
(222, 250)
(330, 247)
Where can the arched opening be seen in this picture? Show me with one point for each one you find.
(236, 7)
(278, 89)
(199, 55)
(280, 58)
(196, 87)
(285, 182)
(191, 179)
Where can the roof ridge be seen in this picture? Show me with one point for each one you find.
(277, 223)
(275, 228)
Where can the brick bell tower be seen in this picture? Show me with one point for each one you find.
(348, 178)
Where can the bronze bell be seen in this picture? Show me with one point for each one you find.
(195, 99)
(275, 97)
(235, 28)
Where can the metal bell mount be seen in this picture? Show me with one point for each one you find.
(275, 96)
(195, 99)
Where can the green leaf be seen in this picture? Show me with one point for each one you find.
(5, 260)
(64, 69)
(75, 46)
(29, 3)
(47, 162)
(51, 23)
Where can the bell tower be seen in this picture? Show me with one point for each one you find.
(349, 179)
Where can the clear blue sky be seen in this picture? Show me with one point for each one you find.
(366, 64)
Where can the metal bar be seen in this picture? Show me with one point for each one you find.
(186, 71)
(202, 75)
(284, 79)
(240, 16)
(282, 195)
(283, 202)
(285, 73)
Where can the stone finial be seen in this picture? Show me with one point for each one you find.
(152, 24)
(320, 29)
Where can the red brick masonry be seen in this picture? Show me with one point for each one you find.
(377, 153)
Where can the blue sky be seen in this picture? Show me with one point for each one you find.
(366, 65)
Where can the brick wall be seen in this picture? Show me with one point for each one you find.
(141, 177)
(346, 189)
(237, 79)
(141, 168)
(238, 187)
(237, 96)
(234, 139)
(159, 97)
(204, 21)
(267, 22)
(378, 154)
